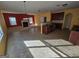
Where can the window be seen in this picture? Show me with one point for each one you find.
(1, 33)
(12, 21)
(31, 20)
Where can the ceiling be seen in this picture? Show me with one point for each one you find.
(36, 6)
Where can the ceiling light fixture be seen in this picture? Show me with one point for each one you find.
(64, 5)
(24, 6)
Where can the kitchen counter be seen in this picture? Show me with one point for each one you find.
(46, 28)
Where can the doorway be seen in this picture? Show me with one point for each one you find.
(67, 22)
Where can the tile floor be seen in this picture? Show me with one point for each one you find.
(43, 52)
(18, 49)
(59, 42)
(33, 43)
(71, 51)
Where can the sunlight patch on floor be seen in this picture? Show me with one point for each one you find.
(33, 43)
(72, 51)
(58, 42)
(63, 55)
(43, 52)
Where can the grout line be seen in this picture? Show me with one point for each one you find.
(56, 49)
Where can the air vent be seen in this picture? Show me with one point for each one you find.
(64, 5)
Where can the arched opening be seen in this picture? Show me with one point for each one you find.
(67, 22)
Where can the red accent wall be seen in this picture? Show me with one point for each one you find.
(18, 17)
